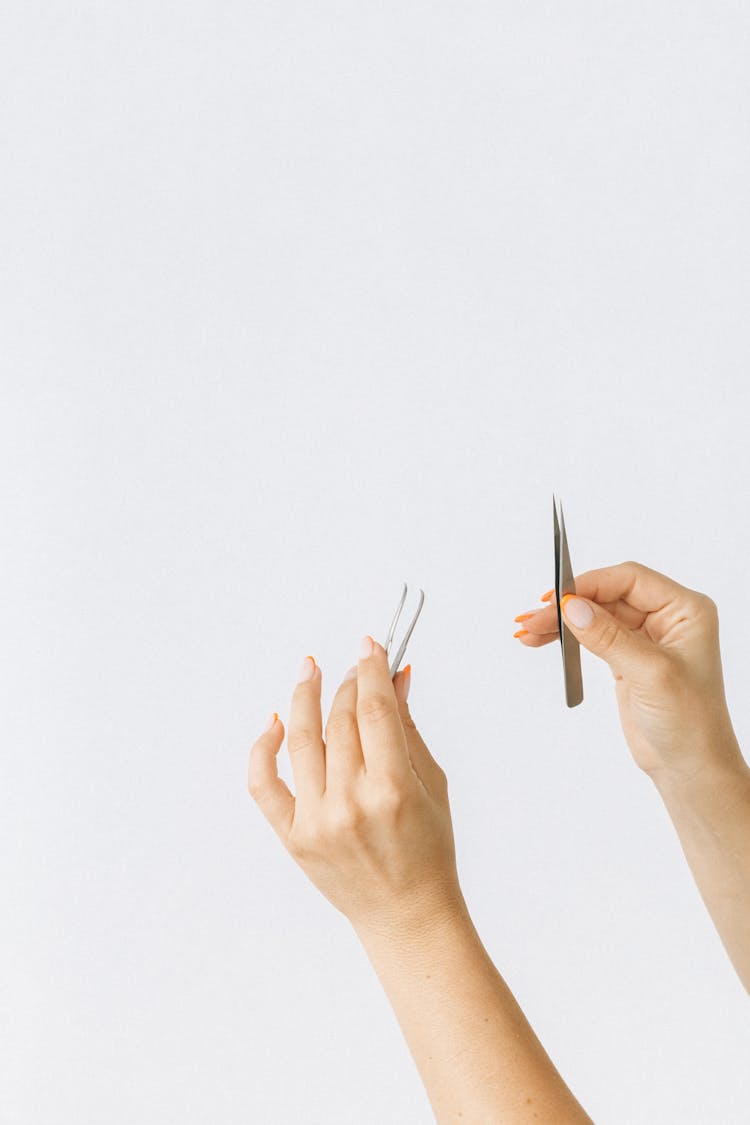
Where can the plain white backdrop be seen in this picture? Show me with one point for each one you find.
(299, 302)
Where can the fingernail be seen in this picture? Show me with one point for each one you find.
(365, 647)
(525, 616)
(546, 597)
(521, 633)
(307, 670)
(577, 611)
(271, 721)
(351, 673)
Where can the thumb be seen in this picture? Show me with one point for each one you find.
(601, 633)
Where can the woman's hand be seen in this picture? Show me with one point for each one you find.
(370, 823)
(661, 641)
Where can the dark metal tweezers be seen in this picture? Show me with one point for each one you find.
(565, 584)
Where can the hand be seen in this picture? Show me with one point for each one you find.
(370, 824)
(661, 642)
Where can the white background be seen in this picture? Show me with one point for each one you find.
(299, 302)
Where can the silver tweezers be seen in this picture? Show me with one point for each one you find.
(402, 648)
(565, 584)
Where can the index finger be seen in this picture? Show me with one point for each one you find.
(380, 729)
(634, 584)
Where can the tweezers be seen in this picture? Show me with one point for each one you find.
(565, 584)
(389, 640)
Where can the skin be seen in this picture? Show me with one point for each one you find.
(370, 825)
(661, 642)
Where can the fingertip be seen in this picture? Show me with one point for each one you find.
(402, 683)
(309, 669)
(274, 728)
(576, 611)
(369, 647)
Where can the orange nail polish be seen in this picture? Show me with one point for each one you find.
(523, 617)
(546, 597)
(521, 633)
(564, 599)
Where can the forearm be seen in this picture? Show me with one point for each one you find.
(477, 1055)
(711, 813)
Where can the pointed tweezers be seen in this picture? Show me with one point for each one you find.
(402, 648)
(565, 584)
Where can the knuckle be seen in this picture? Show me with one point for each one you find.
(254, 787)
(631, 572)
(704, 609)
(300, 738)
(254, 780)
(389, 797)
(304, 842)
(708, 605)
(345, 817)
(374, 708)
(341, 724)
(442, 778)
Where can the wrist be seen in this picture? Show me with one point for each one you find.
(709, 752)
(422, 919)
(716, 774)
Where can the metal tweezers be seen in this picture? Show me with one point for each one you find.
(402, 648)
(565, 584)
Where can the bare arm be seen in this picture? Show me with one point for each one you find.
(661, 641)
(476, 1052)
(370, 825)
(711, 813)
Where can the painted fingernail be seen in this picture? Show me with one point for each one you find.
(271, 721)
(525, 616)
(546, 597)
(307, 670)
(365, 647)
(407, 681)
(521, 633)
(351, 673)
(577, 611)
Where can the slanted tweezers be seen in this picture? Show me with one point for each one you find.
(565, 584)
(402, 648)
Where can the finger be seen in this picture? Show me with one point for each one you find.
(268, 790)
(625, 612)
(539, 622)
(627, 651)
(426, 767)
(380, 731)
(532, 640)
(344, 757)
(539, 627)
(542, 623)
(305, 735)
(633, 584)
